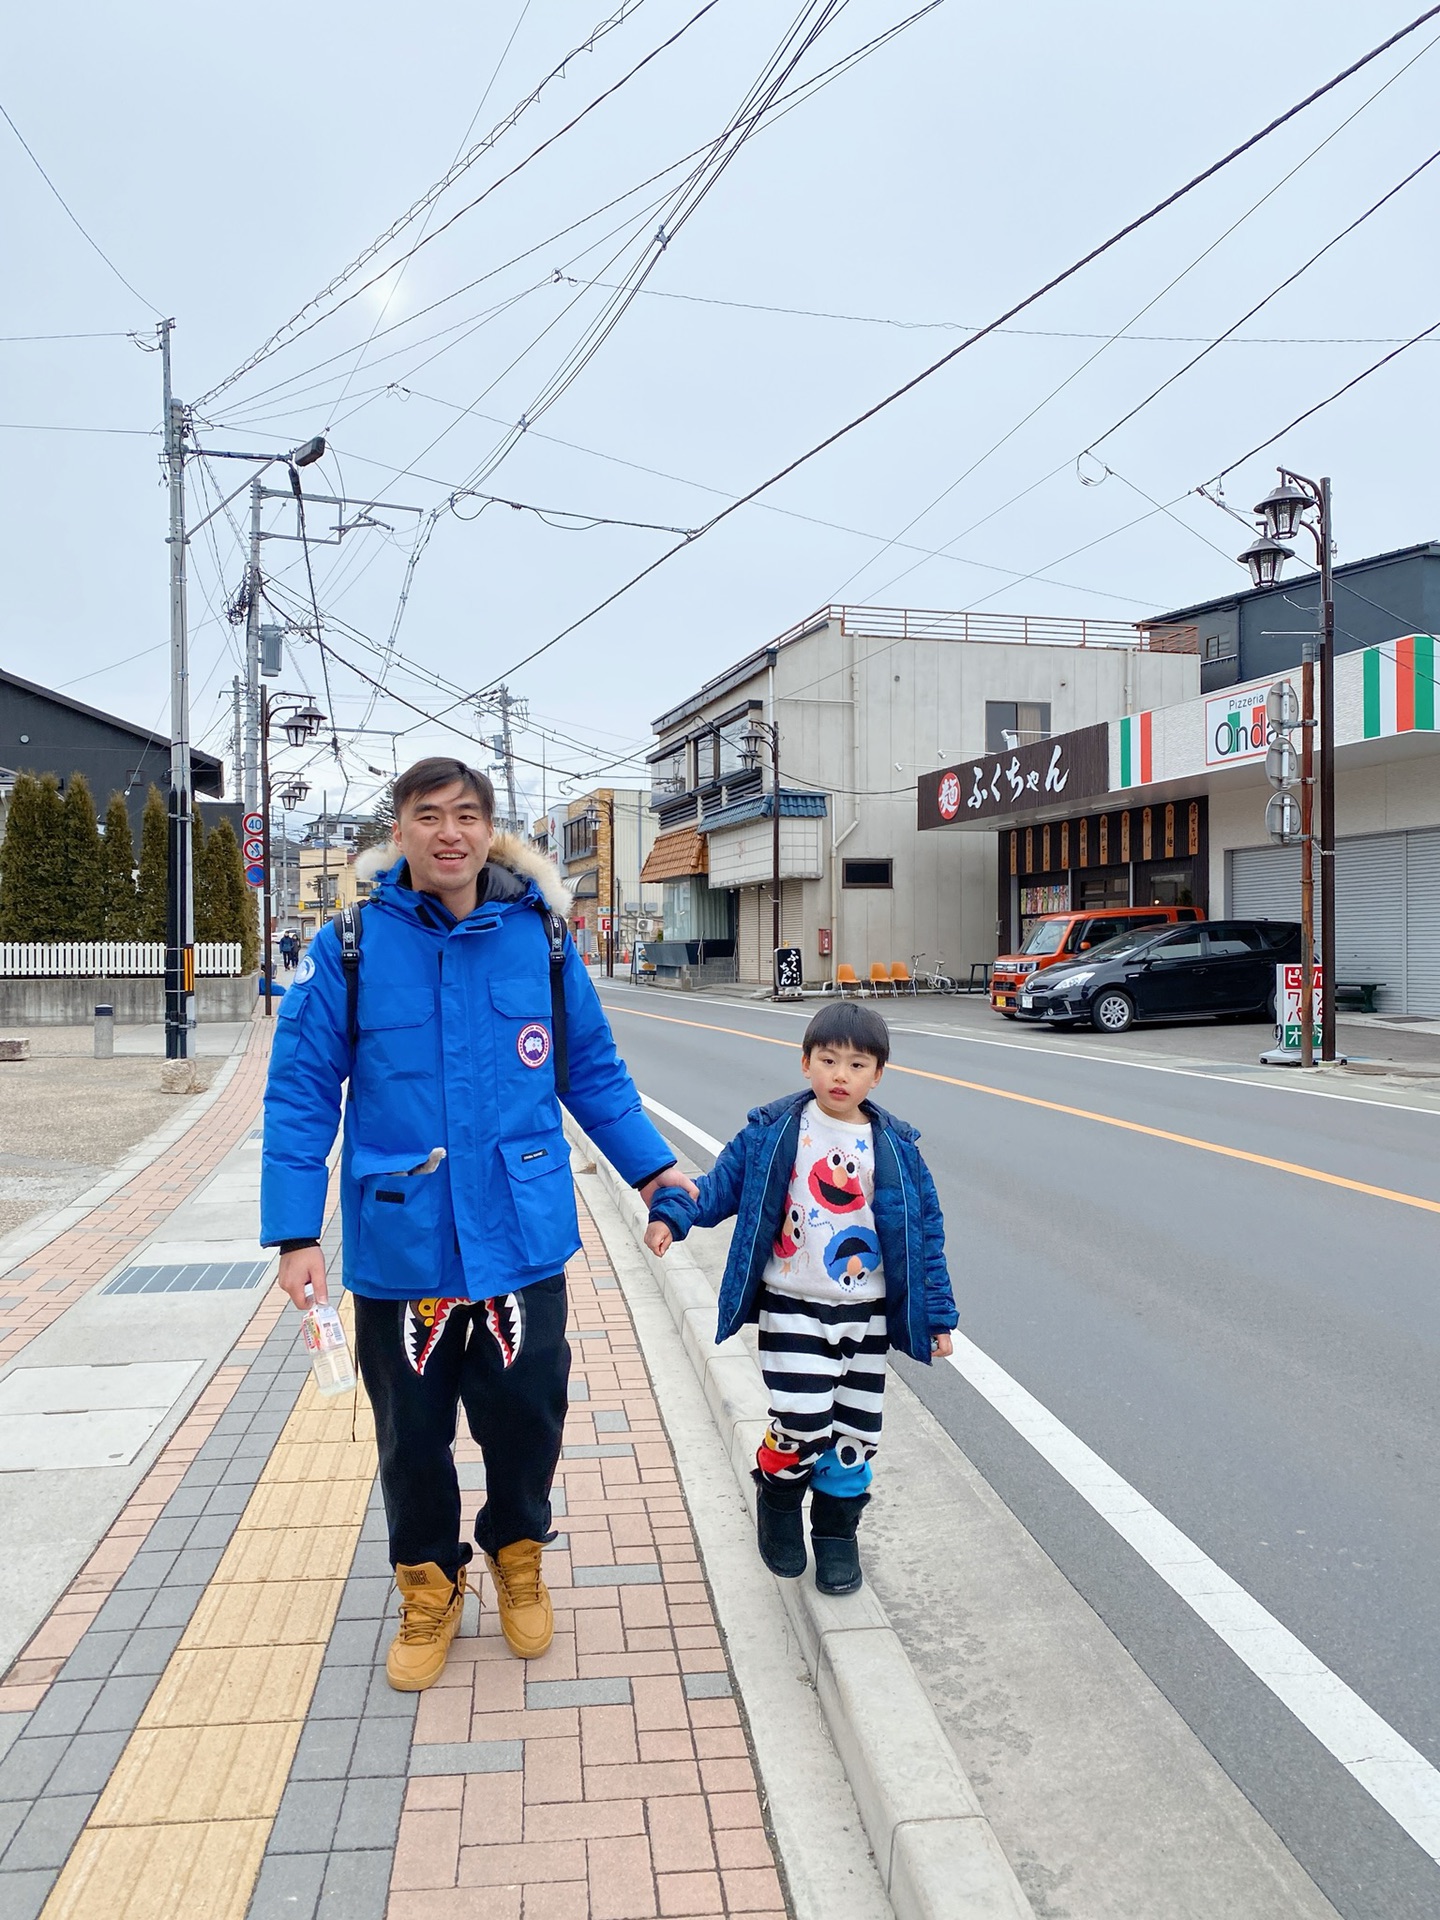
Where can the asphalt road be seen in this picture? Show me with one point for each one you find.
(1226, 1290)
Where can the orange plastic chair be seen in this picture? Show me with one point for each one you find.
(900, 978)
(880, 977)
(845, 978)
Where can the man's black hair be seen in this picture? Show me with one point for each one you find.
(429, 776)
(844, 1023)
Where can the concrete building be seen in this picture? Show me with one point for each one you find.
(867, 699)
(578, 837)
(1174, 808)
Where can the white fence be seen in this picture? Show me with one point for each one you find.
(106, 959)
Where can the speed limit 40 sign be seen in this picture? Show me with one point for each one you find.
(252, 824)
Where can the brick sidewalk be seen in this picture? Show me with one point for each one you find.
(609, 1780)
(40, 1289)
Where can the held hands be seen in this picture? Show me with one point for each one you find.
(941, 1346)
(671, 1177)
(304, 1267)
(658, 1238)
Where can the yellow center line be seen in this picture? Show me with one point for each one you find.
(1084, 1113)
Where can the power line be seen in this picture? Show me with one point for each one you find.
(1154, 301)
(1021, 333)
(1309, 412)
(788, 103)
(964, 346)
(291, 331)
(15, 339)
(74, 219)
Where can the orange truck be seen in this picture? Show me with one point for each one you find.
(1060, 936)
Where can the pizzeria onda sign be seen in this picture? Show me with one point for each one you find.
(1068, 767)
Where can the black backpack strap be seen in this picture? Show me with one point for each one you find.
(555, 932)
(349, 922)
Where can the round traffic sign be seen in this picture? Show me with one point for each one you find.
(254, 849)
(253, 823)
(254, 876)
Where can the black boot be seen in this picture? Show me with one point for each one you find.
(779, 1524)
(832, 1535)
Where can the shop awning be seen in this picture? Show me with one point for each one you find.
(679, 855)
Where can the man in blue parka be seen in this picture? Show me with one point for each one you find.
(459, 1017)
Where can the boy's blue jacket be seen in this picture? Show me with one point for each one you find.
(455, 1051)
(751, 1179)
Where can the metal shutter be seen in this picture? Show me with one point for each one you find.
(1265, 883)
(1422, 922)
(1370, 914)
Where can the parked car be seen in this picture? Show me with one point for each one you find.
(1060, 936)
(1181, 973)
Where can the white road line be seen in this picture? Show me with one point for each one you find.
(681, 1125)
(1072, 1052)
(1390, 1770)
(1380, 1760)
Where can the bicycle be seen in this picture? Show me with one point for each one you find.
(930, 977)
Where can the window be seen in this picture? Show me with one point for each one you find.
(1015, 723)
(1234, 937)
(579, 837)
(867, 873)
(1217, 646)
(1189, 945)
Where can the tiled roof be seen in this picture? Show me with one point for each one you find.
(676, 856)
(793, 806)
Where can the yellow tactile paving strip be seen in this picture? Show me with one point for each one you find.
(182, 1825)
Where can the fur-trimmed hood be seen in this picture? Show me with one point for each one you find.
(506, 850)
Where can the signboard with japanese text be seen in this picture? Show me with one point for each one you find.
(1236, 727)
(1048, 773)
(1288, 981)
(789, 969)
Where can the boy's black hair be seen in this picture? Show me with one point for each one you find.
(429, 776)
(844, 1023)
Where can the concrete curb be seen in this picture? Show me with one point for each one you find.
(937, 1856)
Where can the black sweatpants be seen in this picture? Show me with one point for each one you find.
(508, 1362)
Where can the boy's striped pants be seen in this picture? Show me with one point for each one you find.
(824, 1368)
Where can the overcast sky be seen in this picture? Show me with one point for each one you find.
(230, 164)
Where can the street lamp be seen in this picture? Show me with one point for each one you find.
(1300, 503)
(299, 719)
(757, 736)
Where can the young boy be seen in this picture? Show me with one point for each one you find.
(839, 1255)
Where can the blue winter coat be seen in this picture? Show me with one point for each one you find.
(455, 1051)
(751, 1180)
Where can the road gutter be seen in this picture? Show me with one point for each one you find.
(937, 1855)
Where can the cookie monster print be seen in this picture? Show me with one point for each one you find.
(851, 1257)
(835, 1183)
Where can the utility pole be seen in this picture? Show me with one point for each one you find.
(180, 893)
(252, 651)
(503, 702)
(237, 734)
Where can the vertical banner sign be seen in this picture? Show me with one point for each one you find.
(789, 969)
(1288, 981)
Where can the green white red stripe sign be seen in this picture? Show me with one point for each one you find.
(1135, 754)
(1399, 686)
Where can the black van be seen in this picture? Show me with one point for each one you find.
(1203, 970)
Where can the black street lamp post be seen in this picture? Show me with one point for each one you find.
(300, 720)
(1296, 503)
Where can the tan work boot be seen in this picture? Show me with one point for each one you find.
(526, 1617)
(431, 1606)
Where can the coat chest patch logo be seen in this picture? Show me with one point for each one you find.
(533, 1044)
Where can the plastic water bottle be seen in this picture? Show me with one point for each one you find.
(330, 1360)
